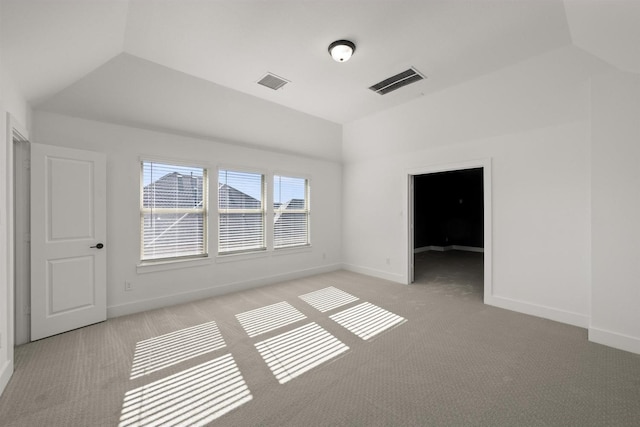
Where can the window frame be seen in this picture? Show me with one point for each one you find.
(263, 211)
(306, 210)
(204, 211)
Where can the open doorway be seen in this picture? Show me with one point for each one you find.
(450, 229)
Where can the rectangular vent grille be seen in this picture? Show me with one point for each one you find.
(272, 81)
(396, 82)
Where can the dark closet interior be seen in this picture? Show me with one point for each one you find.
(449, 209)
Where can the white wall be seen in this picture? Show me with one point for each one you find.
(532, 121)
(123, 147)
(615, 208)
(11, 102)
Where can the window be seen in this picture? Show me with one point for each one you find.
(173, 211)
(291, 211)
(241, 212)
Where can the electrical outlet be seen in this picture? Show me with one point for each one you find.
(128, 286)
(388, 261)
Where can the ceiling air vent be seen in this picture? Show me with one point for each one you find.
(272, 81)
(396, 82)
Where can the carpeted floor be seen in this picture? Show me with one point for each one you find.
(360, 352)
(460, 272)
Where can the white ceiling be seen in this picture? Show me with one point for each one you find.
(50, 45)
(608, 29)
(234, 43)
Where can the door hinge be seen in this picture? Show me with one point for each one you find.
(26, 164)
(27, 237)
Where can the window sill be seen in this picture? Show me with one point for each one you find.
(288, 250)
(153, 266)
(241, 256)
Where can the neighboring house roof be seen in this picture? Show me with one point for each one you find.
(296, 204)
(174, 190)
(232, 198)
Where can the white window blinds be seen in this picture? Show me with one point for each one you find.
(241, 212)
(173, 211)
(291, 211)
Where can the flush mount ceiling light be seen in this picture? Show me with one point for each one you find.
(341, 50)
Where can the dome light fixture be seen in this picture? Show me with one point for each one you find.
(341, 50)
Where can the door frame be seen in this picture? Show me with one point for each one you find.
(16, 133)
(408, 195)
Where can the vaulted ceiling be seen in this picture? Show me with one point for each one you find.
(87, 56)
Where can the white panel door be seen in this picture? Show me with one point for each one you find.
(68, 238)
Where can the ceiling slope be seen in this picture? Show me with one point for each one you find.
(132, 91)
(607, 29)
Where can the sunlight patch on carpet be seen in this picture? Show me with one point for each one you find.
(295, 352)
(269, 318)
(166, 350)
(193, 397)
(328, 298)
(367, 320)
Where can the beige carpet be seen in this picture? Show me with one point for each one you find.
(353, 351)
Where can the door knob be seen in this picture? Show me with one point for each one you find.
(98, 246)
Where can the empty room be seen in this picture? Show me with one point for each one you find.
(319, 213)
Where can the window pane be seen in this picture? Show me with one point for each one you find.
(173, 211)
(167, 186)
(290, 229)
(241, 232)
(291, 211)
(173, 235)
(241, 211)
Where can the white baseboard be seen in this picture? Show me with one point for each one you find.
(615, 340)
(183, 297)
(447, 248)
(5, 375)
(575, 319)
(375, 273)
(467, 248)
